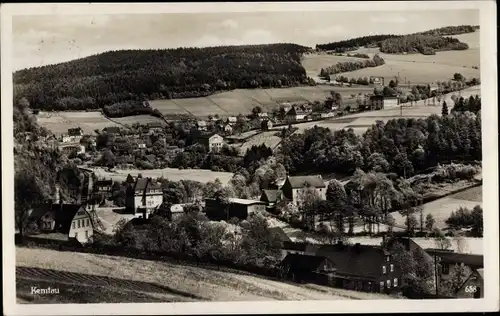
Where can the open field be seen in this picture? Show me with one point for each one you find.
(441, 209)
(267, 138)
(143, 280)
(242, 101)
(416, 68)
(360, 122)
(143, 119)
(60, 122)
(200, 175)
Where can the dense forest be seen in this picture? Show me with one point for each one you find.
(401, 146)
(117, 76)
(354, 43)
(452, 30)
(347, 66)
(423, 42)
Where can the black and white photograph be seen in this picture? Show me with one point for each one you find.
(233, 153)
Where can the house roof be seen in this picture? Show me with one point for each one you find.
(104, 182)
(298, 182)
(303, 262)
(63, 214)
(75, 131)
(298, 246)
(353, 260)
(244, 201)
(280, 233)
(296, 111)
(454, 258)
(271, 195)
(141, 184)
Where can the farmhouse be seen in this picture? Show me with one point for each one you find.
(64, 222)
(143, 195)
(307, 268)
(74, 135)
(114, 130)
(239, 208)
(262, 115)
(296, 114)
(201, 125)
(360, 267)
(213, 142)
(293, 188)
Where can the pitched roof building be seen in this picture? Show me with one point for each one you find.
(293, 188)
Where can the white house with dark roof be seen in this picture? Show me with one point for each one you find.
(294, 186)
(201, 125)
(74, 135)
(232, 120)
(143, 196)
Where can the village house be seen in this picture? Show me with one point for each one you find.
(227, 128)
(307, 268)
(470, 264)
(271, 198)
(359, 267)
(73, 149)
(63, 222)
(239, 208)
(143, 196)
(266, 125)
(113, 130)
(378, 102)
(232, 120)
(103, 187)
(296, 114)
(327, 115)
(262, 115)
(202, 125)
(213, 142)
(155, 127)
(294, 187)
(74, 135)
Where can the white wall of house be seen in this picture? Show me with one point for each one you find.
(81, 227)
(388, 103)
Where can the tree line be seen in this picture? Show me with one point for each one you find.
(377, 40)
(348, 66)
(403, 146)
(117, 76)
(419, 43)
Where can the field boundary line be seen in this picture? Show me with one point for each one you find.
(182, 107)
(213, 102)
(116, 122)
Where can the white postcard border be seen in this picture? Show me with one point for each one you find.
(490, 166)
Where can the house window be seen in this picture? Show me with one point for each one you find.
(381, 285)
(395, 282)
(88, 222)
(388, 284)
(392, 267)
(384, 269)
(79, 224)
(445, 269)
(388, 258)
(74, 225)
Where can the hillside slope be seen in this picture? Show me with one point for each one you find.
(86, 278)
(117, 76)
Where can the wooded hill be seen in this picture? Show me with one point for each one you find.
(427, 42)
(116, 76)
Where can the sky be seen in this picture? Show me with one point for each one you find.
(47, 39)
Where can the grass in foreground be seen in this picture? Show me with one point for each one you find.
(78, 274)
